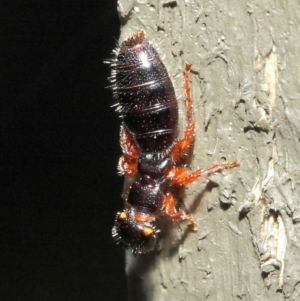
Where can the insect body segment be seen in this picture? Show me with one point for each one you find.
(145, 94)
(148, 107)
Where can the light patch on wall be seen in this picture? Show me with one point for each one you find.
(271, 77)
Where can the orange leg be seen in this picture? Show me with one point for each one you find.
(128, 162)
(177, 216)
(181, 146)
(180, 176)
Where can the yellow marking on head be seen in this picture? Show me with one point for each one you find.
(147, 231)
(123, 215)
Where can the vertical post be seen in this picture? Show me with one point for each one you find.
(245, 85)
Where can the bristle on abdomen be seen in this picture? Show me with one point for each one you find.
(145, 94)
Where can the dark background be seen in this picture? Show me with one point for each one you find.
(59, 150)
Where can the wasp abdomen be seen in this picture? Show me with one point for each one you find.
(145, 94)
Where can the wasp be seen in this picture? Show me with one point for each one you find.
(148, 107)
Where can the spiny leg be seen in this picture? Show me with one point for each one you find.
(127, 164)
(179, 215)
(180, 175)
(181, 146)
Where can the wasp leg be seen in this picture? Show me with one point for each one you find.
(179, 215)
(181, 146)
(127, 164)
(180, 175)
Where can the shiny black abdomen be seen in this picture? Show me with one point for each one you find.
(146, 96)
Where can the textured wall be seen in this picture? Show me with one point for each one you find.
(245, 83)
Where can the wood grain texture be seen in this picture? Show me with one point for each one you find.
(245, 84)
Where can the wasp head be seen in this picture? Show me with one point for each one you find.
(141, 237)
